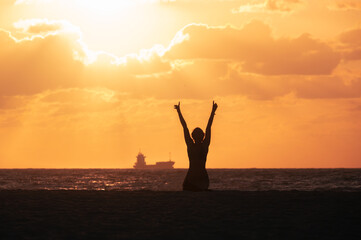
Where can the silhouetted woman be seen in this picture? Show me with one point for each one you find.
(197, 148)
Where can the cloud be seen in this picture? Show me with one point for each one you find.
(351, 44)
(147, 61)
(352, 54)
(257, 49)
(41, 26)
(204, 79)
(351, 37)
(202, 62)
(281, 5)
(30, 66)
(59, 59)
(269, 6)
(345, 5)
(233, 81)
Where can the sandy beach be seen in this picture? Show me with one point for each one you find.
(179, 215)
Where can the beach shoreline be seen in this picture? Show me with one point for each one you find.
(43, 214)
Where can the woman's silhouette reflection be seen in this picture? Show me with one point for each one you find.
(197, 148)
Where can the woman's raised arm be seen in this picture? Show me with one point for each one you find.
(187, 136)
(207, 138)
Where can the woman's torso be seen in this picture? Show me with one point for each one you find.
(197, 176)
(197, 154)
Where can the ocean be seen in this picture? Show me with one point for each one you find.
(171, 180)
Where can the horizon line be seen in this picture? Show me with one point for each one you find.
(180, 168)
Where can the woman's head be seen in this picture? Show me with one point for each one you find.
(198, 135)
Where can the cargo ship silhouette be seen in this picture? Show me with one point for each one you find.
(141, 164)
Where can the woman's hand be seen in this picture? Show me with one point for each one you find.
(177, 107)
(214, 107)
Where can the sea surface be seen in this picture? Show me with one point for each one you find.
(171, 180)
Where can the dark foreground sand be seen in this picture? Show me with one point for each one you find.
(179, 215)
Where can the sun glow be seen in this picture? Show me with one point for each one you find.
(111, 6)
(117, 27)
(105, 6)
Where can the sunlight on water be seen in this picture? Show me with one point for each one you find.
(171, 180)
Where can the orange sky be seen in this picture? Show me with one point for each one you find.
(87, 83)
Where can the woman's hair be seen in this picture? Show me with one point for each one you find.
(198, 134)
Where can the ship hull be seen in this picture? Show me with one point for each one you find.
(158, 165)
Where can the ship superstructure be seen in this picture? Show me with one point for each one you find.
(141, 163)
